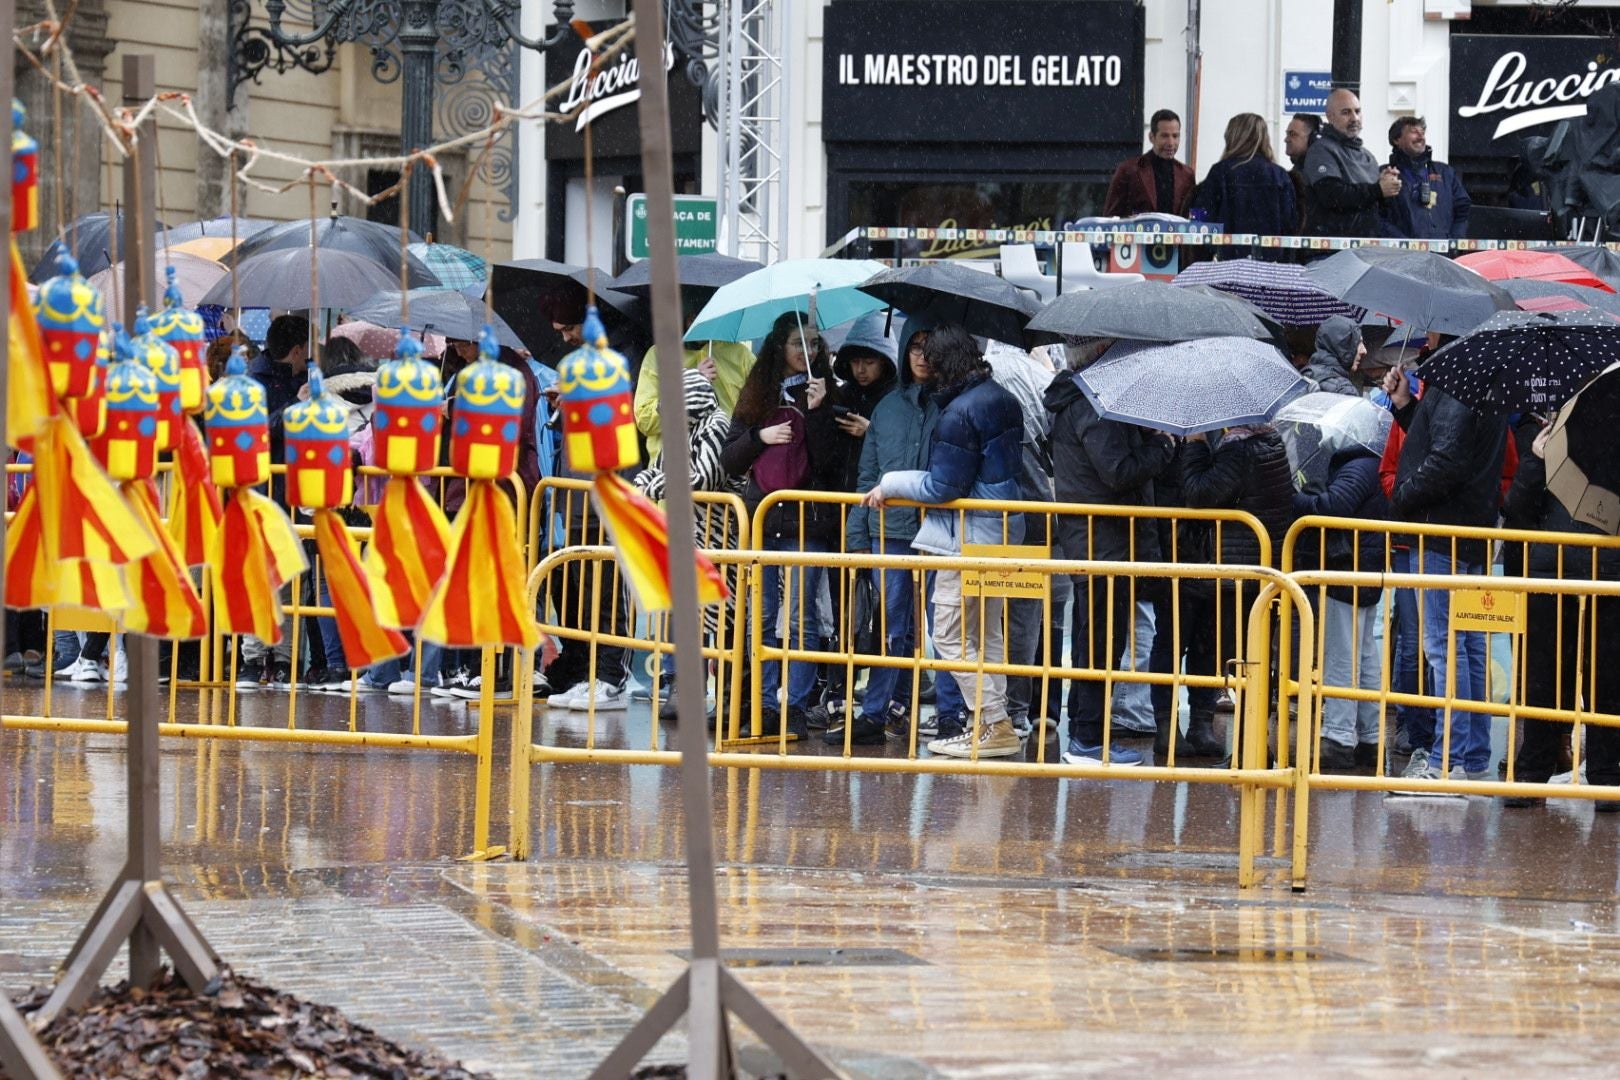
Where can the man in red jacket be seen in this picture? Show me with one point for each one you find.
(1156, 181)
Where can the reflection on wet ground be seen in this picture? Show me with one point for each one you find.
(983, 927)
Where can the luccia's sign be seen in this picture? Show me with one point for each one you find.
(951, 71)
(604, 100)
(613, 87)
(1506, 87)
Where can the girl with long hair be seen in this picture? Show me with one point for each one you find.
(1246, 191)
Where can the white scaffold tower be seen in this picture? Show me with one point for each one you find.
(754, 128)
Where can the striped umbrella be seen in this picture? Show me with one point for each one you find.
(456, 268)
(1281, 290)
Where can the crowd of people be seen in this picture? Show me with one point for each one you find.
(1335, 186)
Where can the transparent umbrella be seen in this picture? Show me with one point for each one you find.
(1314, 427)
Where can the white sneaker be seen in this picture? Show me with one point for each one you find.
(88, 672)
(607, 698)
(362, 685)
(402, 688)
(69, 672)
(120, 671)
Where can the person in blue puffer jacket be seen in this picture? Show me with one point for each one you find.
(975, 453)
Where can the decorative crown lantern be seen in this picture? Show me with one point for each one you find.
(71, 316)
(165, 365)
(317, 431)
(89, 412)
(599, 427)
(24, 172)
(182, 329)
(408, 406)
(127, 445)
(487, 415)
(238, 426)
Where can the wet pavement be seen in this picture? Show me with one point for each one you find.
(910, 926)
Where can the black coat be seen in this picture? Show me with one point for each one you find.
(1249, 474)
(1353, 491)
(1450, 471)
(829, 448)
(1252, 196)
(1104, 462)
(1530, 504)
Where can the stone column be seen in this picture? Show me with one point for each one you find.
(213, 93)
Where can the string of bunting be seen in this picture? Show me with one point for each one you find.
(1191, 236)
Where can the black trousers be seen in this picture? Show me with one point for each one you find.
(1553, 640)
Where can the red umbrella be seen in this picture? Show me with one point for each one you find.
(1534, 265)
(1559, 303)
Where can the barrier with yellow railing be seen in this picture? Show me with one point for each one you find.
(1248, 770)
(217, 713)
(1517, 606)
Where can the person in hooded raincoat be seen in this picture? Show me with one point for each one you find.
(1339, 350)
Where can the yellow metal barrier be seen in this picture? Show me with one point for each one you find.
(1249, 770)
(1556, 614)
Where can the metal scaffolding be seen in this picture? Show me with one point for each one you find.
(753, 128)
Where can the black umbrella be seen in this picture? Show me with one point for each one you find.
(1583, 456)
(1147, 311)
(371, 240)
(1526, 289)
(1279, 334)
(708, 271)
(1420, 288)
(527, 291)
(1600, 260)
(983, 303)
(281, 279)
(438, 311)
(219, 227)
(89, 240)
(1524, 359)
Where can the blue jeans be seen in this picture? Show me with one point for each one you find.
(806, 583)
(883, 684)
(331, 641)
(1470, 731)
(1417, 719)
(390, 671)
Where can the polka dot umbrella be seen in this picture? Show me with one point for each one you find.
(1519, 360)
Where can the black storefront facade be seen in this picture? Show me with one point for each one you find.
(966, 114)
(609, 100)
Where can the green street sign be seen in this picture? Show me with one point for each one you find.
(696, 226)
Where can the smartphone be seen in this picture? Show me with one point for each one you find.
(841, 411)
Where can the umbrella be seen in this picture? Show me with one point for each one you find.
(280, 279)
(89, 240)
(709, 271)
(1417, 287)
(456, 268)
(746, 308)
(195, 276)
(1583, 456)
(450, 314)
(1279, 336)
(214, 229)
(370, 240)
(1190, 386)
(1524, 360)
(1280, 290)
(377, 342)
(212, 248)
(524, 292)
(983, 303)
(1316, 426)
(1525, 291)
(1146, 311)
(1529, 265)
(1602, 261)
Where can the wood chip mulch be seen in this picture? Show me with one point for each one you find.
(238, 1028)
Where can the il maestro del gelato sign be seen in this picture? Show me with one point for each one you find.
(1506, 87)
(965, 70)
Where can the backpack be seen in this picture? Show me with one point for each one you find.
(787, 465)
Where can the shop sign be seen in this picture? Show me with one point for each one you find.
(1505, 87)
(696, 226)
(604, 101)
(961, 71)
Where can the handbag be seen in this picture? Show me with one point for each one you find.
(863, 617)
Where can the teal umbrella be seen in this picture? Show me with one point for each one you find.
(745, 309)
(456, 268)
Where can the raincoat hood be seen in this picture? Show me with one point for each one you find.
(1336, 343)
(910, 327)
(874, 331)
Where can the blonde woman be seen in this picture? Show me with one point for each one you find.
(1246, 191)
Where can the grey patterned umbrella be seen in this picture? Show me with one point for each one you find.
(1420, 288)
(1145, 311)
(1524, 359)
(1281, 290)
(1522, 289)
(280, 279)
(1190, 386)
(368, 239)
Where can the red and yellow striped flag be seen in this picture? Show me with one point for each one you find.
(641, 540)
(406, 556)
(365, 640)
(195, 510)
(34, 581)
(164, 602)
(29, 401)
(255, 553)
(481, 600)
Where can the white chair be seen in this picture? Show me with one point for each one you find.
(1080, 272)
(1019, 266)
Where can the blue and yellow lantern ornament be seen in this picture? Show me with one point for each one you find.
(24, 172)
(408, 413)
(238, 427)
(164, 363)
(182, 330)
(599, 435)
(127, 446)
(480, 598)
(72, 316)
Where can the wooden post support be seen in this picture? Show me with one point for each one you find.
(138, 907)
(706, 992)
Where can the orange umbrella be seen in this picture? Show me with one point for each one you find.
(1533, 265)
(208, 247)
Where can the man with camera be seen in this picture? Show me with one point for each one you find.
(1432, 203)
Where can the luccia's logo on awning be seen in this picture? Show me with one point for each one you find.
(613, 87)
(1531, 101)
